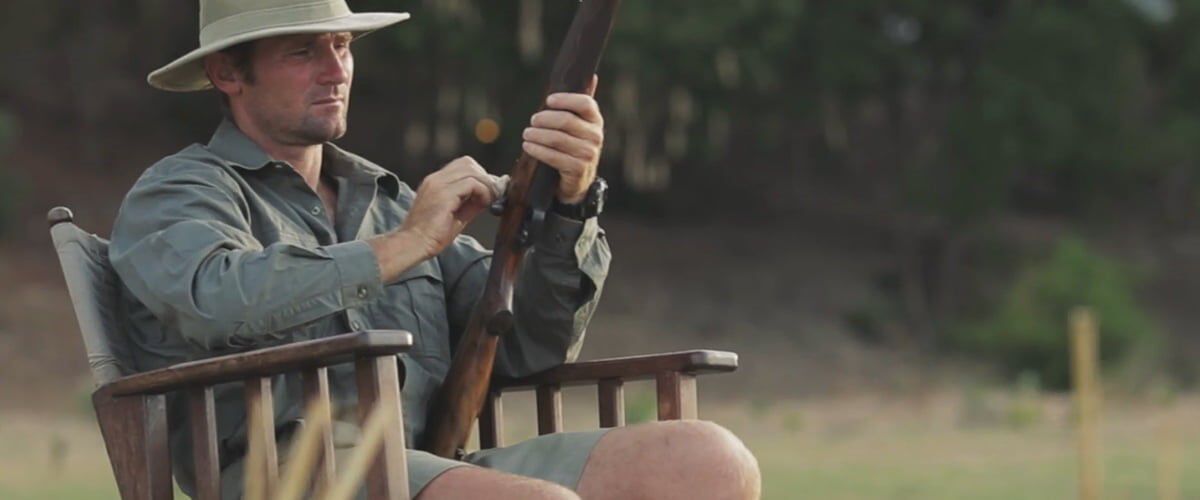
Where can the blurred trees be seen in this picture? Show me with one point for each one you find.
(930, 122)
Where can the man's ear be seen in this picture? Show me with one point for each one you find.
(220, 70)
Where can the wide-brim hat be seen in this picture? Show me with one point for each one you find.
(225, 23)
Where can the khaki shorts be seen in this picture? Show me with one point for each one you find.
(558, 458)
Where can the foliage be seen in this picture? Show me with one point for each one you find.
(10, 189)
(1027, 331)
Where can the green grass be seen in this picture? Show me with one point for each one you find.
(854, 448)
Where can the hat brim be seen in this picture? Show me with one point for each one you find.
(186, 74)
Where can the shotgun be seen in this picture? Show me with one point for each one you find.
(522, 213)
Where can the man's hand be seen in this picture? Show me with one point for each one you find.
(446, 202)
(568, 136)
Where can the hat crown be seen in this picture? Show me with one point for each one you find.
(223, 18)
(225, 23)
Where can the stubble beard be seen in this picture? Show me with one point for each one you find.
(309, 130)
(318, 129)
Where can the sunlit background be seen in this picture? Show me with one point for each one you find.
(888, 208)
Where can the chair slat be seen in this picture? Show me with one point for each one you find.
(676, 395)
(549, 409)
(610, 393)
(491, 422)
(203, 419)
(378, 380)
(316, 388)
(260, 409)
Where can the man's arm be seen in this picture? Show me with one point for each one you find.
(182, 244)
(555, 297)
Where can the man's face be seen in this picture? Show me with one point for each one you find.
(301, 87)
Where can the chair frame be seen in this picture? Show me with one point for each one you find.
(131, 410)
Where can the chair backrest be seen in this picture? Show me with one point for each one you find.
(93, 286)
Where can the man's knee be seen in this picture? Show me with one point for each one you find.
(477, 482)
(687, 459)
(718, 452)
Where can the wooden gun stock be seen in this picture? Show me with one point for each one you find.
(530, 191)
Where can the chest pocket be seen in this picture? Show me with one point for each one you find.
(417, 302)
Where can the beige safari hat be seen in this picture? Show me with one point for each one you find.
(225, 23)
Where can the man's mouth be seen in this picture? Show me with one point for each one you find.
(328, 100)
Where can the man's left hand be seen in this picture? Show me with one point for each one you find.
(568, 136)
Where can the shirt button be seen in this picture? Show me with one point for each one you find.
(316, 210)
(362, 292)
(356, 326)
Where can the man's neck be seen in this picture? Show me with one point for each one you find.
(306, 160)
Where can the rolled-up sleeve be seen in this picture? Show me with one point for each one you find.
(182, 245)
(555, 297)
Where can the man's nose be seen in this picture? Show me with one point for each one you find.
(334, 69)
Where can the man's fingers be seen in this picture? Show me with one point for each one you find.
(580, 104)
(570, 123)
(473, 197)
(458, 168)
(562, 141)
(564, 163)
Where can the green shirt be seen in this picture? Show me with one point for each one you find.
(221, 249)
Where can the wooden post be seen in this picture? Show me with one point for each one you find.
(676, 396)
(203, 418)
(491, 422)
(610, 395)
(1086, 382)
(1170, 456)
(261, 467)
(549, 409)
(379, 382)
(316, 388)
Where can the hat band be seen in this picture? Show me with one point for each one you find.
(256, 20)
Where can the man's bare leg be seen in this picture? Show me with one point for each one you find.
(671, 460)
(478, 482)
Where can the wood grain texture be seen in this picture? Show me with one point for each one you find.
(260, 428)
(676, 396)
(264, 362)
(316, 388)
(610, 399)
(491, 422)
(630, 368)
(202, 418)
(379, 382)
(549, 409)
(135, 435)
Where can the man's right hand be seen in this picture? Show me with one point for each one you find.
(446, 202)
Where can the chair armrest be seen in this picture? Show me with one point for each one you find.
(647, 366)
(263, 362)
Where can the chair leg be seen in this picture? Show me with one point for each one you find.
(135, 435)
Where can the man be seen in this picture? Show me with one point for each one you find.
(271, 234)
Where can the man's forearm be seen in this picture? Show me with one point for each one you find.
(397, 252)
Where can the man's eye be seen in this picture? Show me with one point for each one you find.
(301, 52)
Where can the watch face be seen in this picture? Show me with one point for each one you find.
(600, 195)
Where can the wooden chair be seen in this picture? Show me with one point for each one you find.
(131, 407)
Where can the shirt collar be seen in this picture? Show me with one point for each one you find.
(230, 143)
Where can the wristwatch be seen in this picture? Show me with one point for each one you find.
(591, 205)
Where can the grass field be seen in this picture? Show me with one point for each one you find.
(937, 447)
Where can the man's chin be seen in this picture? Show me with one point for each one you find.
(319, 133)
